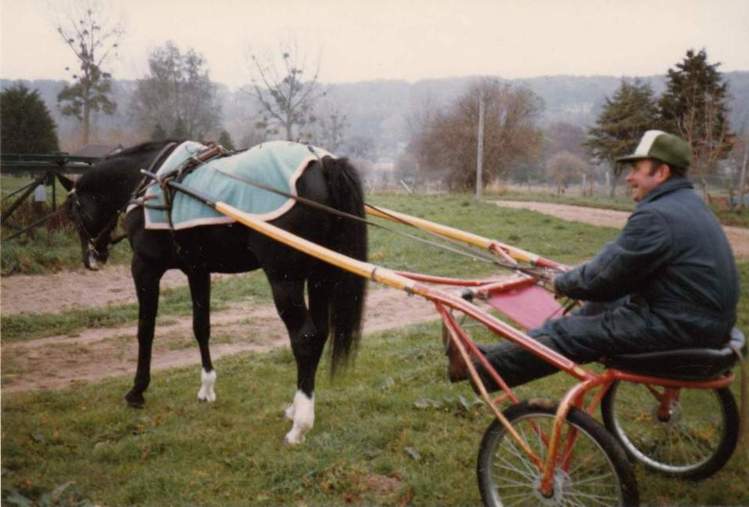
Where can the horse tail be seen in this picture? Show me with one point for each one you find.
(349, 237)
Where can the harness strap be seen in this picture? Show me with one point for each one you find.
(211, 152)
(153, 166)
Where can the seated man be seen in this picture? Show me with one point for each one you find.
(668, 281)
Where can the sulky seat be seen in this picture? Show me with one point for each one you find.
(684, 364)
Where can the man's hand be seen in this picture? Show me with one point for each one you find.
(546, 277)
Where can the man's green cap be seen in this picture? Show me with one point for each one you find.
(665, 147)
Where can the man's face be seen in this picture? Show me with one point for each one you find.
(644, 176)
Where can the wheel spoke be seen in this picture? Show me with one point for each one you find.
(511, 468)
(587, 480)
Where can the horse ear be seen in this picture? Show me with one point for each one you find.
(66, 182)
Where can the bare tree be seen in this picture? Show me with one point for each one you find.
(565, 167)
(707, 132)
(447, 142)
(286, 90)
(740, 159)
(94, 39)
(332, 125)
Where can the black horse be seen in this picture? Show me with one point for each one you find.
(335, 297)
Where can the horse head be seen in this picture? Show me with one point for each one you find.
(93, 223)
(97, 199)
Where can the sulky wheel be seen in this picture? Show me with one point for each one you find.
(692, 437)
(598, 472)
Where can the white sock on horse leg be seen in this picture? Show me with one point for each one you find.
(303, 417)
(289, 412)
(207, 381)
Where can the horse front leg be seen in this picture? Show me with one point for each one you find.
(200, 289)
(146, 280)
(307, 342)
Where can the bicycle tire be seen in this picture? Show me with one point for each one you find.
(595, 452)
(696, 440)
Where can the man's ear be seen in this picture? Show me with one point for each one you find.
(663, 172)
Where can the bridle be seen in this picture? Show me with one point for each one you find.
(98, 244)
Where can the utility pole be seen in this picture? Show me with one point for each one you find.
(480, 147)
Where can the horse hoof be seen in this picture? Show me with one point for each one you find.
(293, 438)
(208, 396)
(207, 392)
(135, 400)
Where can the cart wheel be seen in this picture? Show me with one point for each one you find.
(598, 472)
(692, 440)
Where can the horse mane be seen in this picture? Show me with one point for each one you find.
(145, 147)
(117, 174)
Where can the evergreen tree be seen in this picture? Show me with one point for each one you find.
(27, 126)
(224, 139)
(624, 118)
(694, 106)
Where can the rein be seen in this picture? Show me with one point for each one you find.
(458, 248)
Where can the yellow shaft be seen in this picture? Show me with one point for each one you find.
(452, 233)
(361, 268)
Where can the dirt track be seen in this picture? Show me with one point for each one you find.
(60, 361)
(738, 236)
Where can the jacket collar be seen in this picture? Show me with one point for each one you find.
(668, 186)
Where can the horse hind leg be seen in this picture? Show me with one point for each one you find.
(303, 410)
(307, 345)
(200, 290)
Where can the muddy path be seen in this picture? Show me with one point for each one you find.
(80, 288)
(56, 362)
(738, 236)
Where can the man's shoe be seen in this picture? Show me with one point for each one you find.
(457, 371)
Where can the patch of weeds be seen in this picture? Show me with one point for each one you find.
(181, 343)
(30, 495)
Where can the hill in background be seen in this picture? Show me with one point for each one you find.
(380, 111)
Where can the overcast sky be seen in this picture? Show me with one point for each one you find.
(404, 39)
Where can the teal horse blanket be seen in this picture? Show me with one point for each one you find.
(274, 164)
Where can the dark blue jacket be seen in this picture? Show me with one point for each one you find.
(673, 261)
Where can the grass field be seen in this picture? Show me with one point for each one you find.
(391, 431)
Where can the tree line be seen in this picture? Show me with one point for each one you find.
(176, 98)
(444, 140)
